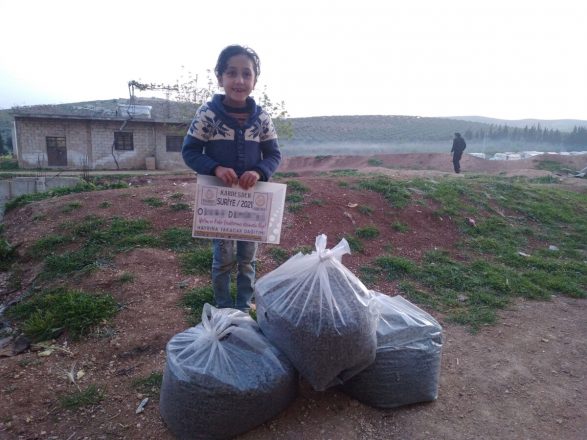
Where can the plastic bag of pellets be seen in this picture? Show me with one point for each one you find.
(223, 378)
(319, 314)
(407, 367)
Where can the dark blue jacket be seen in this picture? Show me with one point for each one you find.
(215, 138)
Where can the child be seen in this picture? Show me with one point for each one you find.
(233, 139)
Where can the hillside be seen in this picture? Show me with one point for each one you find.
(391, 134)
(474, 250)
(553, 124)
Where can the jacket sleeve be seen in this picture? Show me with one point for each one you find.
(193, 149)
(269, 149)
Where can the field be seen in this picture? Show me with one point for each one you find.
(497, 254)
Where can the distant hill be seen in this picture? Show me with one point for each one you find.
(397, 134)
(552, 124)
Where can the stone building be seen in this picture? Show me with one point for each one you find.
(106, 135)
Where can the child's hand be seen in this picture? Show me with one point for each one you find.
(227, 175)
(248, 179)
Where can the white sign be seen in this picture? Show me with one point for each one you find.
(235, 214)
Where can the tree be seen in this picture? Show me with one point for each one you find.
(2, 150)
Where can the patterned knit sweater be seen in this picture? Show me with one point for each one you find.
(216, 138)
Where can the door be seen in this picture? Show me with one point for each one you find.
(56, 151)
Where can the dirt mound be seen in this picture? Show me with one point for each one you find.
(523, 378)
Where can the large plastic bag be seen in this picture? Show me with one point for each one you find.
(407, 367)
(223, 377)
(319, 314)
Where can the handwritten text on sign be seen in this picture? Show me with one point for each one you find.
(233, 213)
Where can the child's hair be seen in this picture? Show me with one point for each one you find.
(231, 51)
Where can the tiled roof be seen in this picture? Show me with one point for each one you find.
(161, 110)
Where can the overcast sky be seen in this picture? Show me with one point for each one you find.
(509, 59)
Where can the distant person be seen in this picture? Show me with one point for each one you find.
(234, 139)
(458, 146)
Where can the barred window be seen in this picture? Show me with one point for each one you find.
(174, 143)
(123, 140)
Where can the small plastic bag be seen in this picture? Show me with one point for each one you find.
(407, 367)
(319, 314)
(223, 378)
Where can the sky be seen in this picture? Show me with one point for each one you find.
(508, 59)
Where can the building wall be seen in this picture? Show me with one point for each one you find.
(89, 143)
(32, 145)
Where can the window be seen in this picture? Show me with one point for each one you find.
(55, 142)
(123, 140)
(174, 143)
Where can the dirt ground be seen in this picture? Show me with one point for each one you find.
(523, 378)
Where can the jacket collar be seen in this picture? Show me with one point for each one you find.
(218, 107)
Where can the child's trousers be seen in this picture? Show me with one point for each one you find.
(227, 254)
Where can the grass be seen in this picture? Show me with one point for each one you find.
(92, 395)
(48, 314)
(278, 254)
(400, 227)
(297, 187)
(365, 210)
(488, 269)
(150, 385)
(197, 262)
(126, 277)
(180, 206)
(153, 202)
(374, 162)
(194, 301)
(7, 251)
(94, 185)
(367, 232)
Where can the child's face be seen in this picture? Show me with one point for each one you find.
(238, 80)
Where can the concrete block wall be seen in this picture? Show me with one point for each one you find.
(89, 143)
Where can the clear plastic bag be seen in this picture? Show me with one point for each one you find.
(407, 366)
(223, 378)
(319, 314)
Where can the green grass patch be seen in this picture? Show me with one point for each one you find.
(49, 244)
(374, 162)
(395, 192)
(318, 202)
(105, 204)
(154, 202)
(58, 192)
(178, 239)
(285, 175)
(8, 163)
(394, 267)
(180, 207)
(71, 206)
(355, 243)
(177, 196)
(92, 395)
(297, 186)
(400, 227)
(126, 277)
(150, 385)
(295, 207)
(348, 172)
(197, 262)
(194, 301)
(365, 210)
(278, 254)
(48, 314)
(294, 198)
(367, 232)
